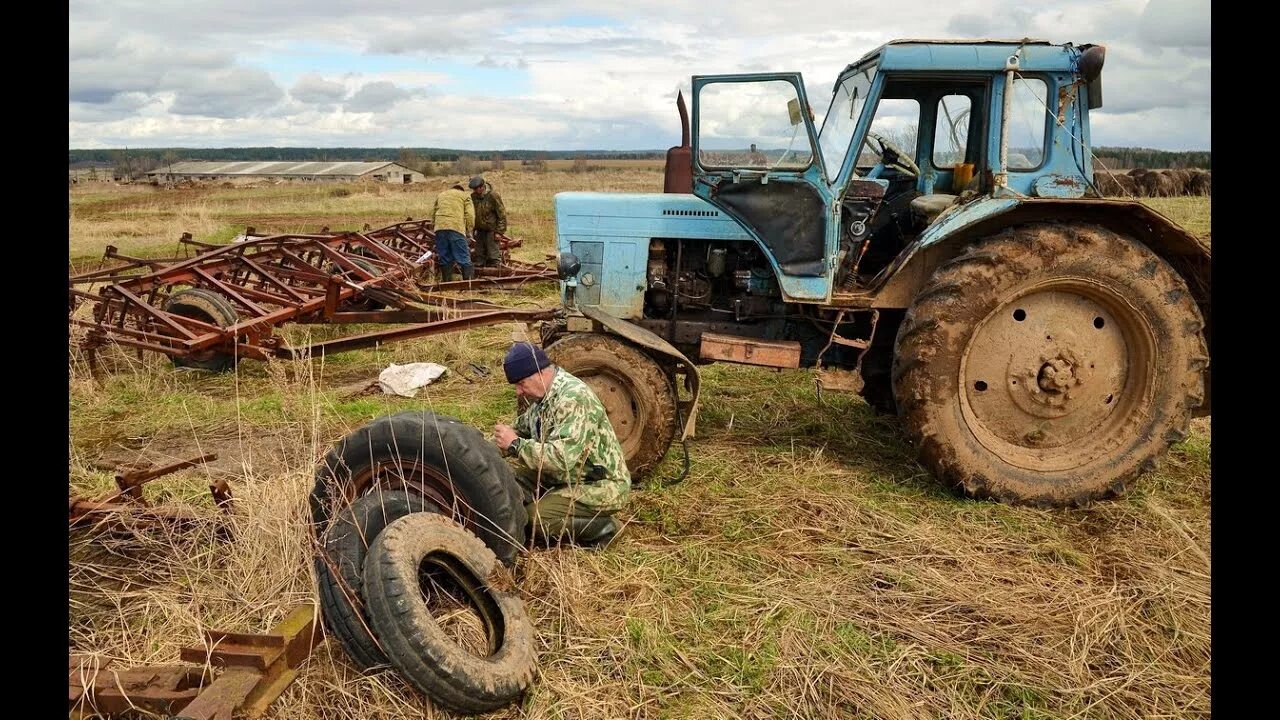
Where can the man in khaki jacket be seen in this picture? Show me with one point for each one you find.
(453, 219)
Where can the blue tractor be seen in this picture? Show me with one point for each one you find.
(936, 244)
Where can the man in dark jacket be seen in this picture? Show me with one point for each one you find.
(491, 219)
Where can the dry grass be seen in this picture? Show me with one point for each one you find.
(1191, 212)
(807, 567)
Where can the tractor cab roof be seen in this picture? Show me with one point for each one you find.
(984, 55)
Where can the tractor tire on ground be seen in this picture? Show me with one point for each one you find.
(637, 394)
(1049, 365)
(340, 569)
(450, 464)
(424, 654)
(210, 307)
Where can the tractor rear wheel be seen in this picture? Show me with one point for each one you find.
(1049, 365)
(638, 396)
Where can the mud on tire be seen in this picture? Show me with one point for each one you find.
(436, 457)
(637, 395)
(340, 569)
(1049, 364)
(421, 651)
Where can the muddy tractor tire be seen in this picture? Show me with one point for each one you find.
(638, 396)
(399, 580)
(340, 569)
(209, 307)
(1049, 365)
(435, 457)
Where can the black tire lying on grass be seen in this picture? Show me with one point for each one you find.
(426, 657)
(340, 568)
(435, 456)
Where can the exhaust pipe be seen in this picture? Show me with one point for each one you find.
(678, 176)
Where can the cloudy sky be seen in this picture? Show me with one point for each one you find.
(564, 74)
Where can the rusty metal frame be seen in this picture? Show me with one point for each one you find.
(274, 279)
(255, 670)
(127, 503)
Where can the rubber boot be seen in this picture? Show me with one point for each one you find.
(468, 272)
(446, 273)
(598, 532)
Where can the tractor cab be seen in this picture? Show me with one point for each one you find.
(912, 130)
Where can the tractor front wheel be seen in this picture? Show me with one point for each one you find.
(638, 396)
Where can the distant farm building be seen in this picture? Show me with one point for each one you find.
(87, 171)
(305, 171)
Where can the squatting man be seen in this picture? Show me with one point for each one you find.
(567, 458)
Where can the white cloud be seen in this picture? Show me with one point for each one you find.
(564, 74)
(378, 96)
(230, 93)
(315, 90)
(1176, 23)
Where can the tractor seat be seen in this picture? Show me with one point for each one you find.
(930, 207)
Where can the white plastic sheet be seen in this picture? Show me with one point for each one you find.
(405, 380)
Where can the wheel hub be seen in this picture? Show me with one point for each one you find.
(415, 477)
(615, 395)
(1057, 376)
(1046, 375)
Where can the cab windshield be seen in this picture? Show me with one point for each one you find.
(837, 127)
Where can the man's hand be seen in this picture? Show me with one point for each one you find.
(504, 435)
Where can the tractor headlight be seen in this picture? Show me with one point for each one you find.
(568, 265)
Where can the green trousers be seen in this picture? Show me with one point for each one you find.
(488, 251)
(554, 517)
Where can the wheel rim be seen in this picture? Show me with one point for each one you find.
(616, 394)
(415, 477)
(1056, 375)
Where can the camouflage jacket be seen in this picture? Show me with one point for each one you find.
(568, 431)
(491, 214)
(453, 211)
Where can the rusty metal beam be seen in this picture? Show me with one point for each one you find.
(414, 331)
(95, 689)
(230, 292)
(255, 670)
(750, 351)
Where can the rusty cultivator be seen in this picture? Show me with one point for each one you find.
(225, 303)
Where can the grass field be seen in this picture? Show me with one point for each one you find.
(806, 567)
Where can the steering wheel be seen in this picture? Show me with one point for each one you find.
(890, 155)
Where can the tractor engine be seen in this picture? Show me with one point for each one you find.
(726, 281)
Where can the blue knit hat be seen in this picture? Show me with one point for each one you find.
(523, 360)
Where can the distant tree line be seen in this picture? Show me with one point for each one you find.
(1125, 158)
(132, 163)
(156, 156)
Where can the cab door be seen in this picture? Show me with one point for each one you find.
(756, 157)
